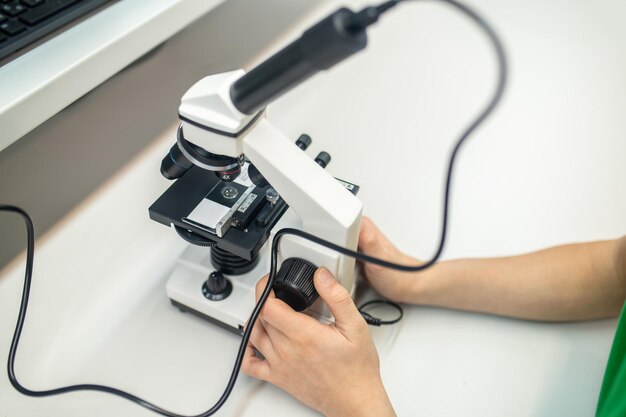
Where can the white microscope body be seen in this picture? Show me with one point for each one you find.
(318, 203)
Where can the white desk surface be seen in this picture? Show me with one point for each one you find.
(548, 169)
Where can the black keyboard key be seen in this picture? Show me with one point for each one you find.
(11, 27)
(2, 38)
(32, 3)
(47, 9)
(2, 18)
(13, 9)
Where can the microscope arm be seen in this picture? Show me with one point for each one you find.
(326, 208)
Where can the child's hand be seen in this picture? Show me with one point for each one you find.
(394, 285)
(333, 369)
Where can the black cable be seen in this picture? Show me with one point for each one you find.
(30, 253)
(375, 321)
(502, 66)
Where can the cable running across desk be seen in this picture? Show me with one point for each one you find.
(502, 78)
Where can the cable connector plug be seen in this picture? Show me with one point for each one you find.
(371, 320)
(375, 321)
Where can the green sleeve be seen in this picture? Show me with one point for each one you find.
(612, 401)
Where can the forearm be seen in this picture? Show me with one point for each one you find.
(572, 282)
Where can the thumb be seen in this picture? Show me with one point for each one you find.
(338, 300)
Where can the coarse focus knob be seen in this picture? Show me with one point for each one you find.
(294, 283)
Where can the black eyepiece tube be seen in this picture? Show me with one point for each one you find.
(328, 42)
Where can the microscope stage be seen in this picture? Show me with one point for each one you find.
(193, 195)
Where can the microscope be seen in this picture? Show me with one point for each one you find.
(238, 179)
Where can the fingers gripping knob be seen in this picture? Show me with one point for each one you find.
(294, 283)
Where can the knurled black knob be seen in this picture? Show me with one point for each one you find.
(217, 286)
(294, 283)
(323, 159)
(304, 141)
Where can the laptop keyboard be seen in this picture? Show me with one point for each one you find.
(23, 22)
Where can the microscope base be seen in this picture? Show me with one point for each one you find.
(184, 289)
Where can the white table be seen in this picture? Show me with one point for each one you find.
(548, 169)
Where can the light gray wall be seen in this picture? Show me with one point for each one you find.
(57, 165)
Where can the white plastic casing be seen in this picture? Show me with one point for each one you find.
(206, 107)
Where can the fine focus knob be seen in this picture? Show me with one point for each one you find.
(304, 141)
(323, 159)
(294, 283)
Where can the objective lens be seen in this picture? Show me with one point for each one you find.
(175, 164)
(229, 175)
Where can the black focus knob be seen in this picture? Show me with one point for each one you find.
(323, 159)
(304, 141)
(294, 283)
(217, 286)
